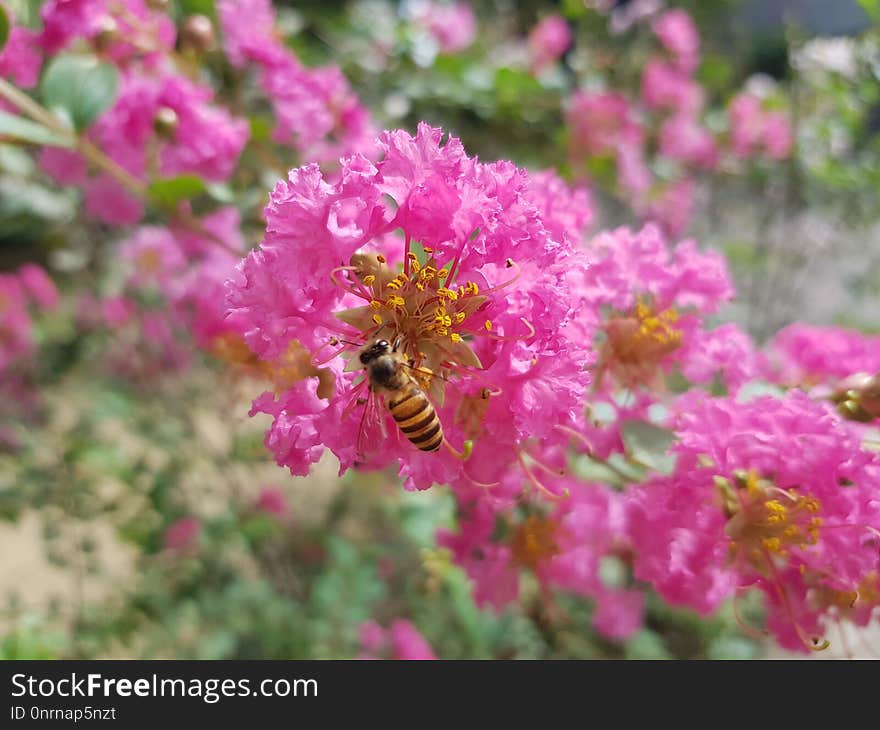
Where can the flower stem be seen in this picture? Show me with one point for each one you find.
(96, 157)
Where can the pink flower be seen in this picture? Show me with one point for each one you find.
(680, 37)
(806, 354)
(682, 138)
(567, 212)
(648, 300)
(726, 352)
(778, 136)
(117, 311)
(65, 166)
(122, 30)
(273, 501)
(316, 111)
(548, 40)
(109, 202)
(249, 31)
(763, 491)
(673, 207)
(197, 137)
(154, 256)
(598, 122)
(619, 614)
(20, 58)
(39, 286)
(487, 306)
(665, 86)
(453, 26)
(182, 535)
(16, 328)
(401, 640)
(754, 130)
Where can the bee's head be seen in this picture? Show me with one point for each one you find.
(377, 349)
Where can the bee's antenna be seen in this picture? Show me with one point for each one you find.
(336, 340)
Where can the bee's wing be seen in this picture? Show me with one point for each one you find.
(372, 433)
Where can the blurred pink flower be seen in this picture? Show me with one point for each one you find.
(39, 286)
(804, 354)
(316, 112)
(548, 40)
(199, 138)
(401, 640)
(121, 30)
(20, 57)
(182, 535)
(453, 25)
(682, 138)
(273, 501)
(665, 86)
(755, 131)
(680, 37)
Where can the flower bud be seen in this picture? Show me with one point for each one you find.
(108, 33)
(197, 34)
(165, 122)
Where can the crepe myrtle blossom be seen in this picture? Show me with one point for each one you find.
(316, 111)
(19, 291)
(676, 31)
(121, 30)
(563, 547)
(452, 25)
(832, 363)
(666, 87)
(682, 138)
(805, 354)
(605, 124)
(444, 255)
(755, 131)
(774, 493)
(21, 56)
(548, 40)
(643, 302)
(401, 640)
(161, 125)
(183, 535)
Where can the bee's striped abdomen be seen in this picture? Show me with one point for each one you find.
(416, 417)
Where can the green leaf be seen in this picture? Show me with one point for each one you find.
(79, 88)
(27, 131)
(648, 444)
(172, 190)
(4, 27)
(872, 9)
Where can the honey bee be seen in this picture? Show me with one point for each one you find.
(389, 374)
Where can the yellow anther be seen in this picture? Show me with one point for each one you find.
(455, 337)
(369, 279)
(395, 301)
(472, 288)
(427, 250)
(376, 304)
(460, 317)
(773, 544)
(381, 259)
(377, 319)
(447, 293)
(394, 285)
(488, 325)
(443, 273)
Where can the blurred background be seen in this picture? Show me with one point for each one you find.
(142, 515)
